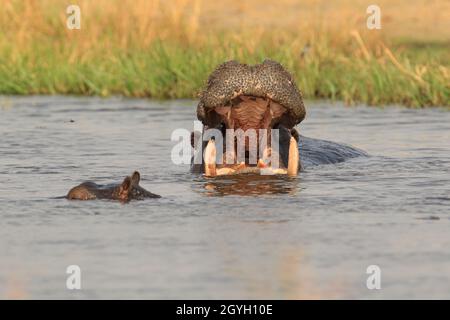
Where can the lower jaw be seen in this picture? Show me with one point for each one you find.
(212, 169)
(246, 169)
(250, 170)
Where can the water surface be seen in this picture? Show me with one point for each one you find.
(271, 237)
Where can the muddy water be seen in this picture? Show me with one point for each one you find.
(268, 237)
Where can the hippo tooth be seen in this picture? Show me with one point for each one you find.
(266, 155)
(270, 171)
(279, 171)
(261, 164)
(225, 171)
(210, 159)
(293, 158)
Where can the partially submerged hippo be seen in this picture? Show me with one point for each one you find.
(264, 96)
(128, 190)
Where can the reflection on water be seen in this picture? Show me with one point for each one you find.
(224, 237)
(250, 185)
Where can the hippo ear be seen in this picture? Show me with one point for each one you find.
(135, 178)
(126, 184)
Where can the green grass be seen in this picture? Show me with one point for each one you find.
(174, 70)
(167, 49)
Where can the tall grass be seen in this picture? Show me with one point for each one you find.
(166, 49)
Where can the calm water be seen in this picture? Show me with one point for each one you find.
(311, 237)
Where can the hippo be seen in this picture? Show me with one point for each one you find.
(128, 190)
(263, 97)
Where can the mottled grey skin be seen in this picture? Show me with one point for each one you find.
(266, 80)
(128, 190)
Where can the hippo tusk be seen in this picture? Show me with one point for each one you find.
(210, 159)
(266, 158)
(293, 158)
(225, 171)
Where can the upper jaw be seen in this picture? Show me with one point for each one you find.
(268, 80)
(247, 112)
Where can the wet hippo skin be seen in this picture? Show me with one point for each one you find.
(128, 190)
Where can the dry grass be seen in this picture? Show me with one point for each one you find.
(166, 49)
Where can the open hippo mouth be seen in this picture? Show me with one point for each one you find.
(247, 103)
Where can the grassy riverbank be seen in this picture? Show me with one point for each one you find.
(166, 50)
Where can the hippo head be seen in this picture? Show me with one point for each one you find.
(130, 189)
(262, 96)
